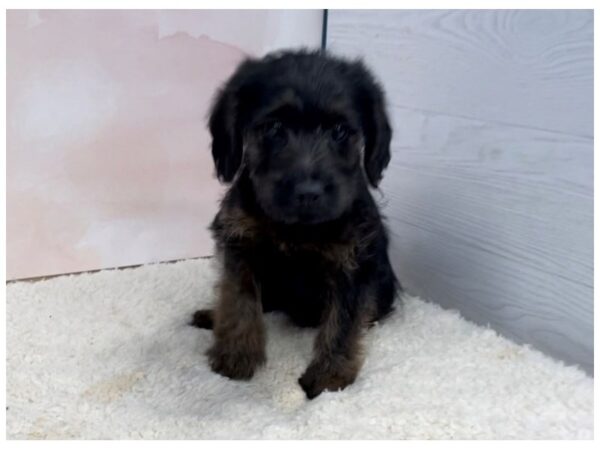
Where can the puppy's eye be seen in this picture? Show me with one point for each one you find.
(339, 132)
(274, 129)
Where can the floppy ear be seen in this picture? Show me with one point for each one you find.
(376, 126)
(377, 144)
(226, 134)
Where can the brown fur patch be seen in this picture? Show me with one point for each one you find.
(235, 224)
(346, 253)
(343, 255)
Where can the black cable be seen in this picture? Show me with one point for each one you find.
(324, 31)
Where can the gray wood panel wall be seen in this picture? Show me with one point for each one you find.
(489, 195)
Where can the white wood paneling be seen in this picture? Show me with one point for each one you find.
(515, 67)
(489, 195)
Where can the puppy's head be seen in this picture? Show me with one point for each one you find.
(307, 128)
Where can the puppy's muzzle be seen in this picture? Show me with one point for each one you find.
(308, 195)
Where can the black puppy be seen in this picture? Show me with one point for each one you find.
(300, 135)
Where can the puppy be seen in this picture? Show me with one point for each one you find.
(300, 136)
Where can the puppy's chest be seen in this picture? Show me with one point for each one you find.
(327, 250)
(325, 253)
(296, 278)
(305, 269)
(274, 257)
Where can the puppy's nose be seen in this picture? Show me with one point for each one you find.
(308, 193)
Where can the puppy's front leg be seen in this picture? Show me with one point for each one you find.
(239, 346)
(338, 355)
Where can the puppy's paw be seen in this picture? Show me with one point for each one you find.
(234, 364)
(203, 318)
(319, 378)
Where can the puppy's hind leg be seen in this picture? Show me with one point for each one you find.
(203, 318)
(383, 291)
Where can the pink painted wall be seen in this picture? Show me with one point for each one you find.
(108, 160)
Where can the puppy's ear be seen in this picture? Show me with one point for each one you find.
(226, 135)
(376, 126)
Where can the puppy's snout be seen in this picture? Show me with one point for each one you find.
(308, 193)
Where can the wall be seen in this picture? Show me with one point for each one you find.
(490, 190)
(108, 160)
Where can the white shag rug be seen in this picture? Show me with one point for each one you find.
(110, 355)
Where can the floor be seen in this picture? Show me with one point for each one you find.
(110, 355)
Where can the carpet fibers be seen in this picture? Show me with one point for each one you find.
(109, 355)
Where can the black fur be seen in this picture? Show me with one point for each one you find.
(301, 136)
